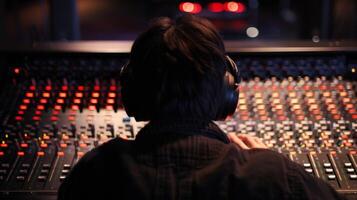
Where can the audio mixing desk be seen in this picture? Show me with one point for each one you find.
(60, 100)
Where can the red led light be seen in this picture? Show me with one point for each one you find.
(4, 145)
(110, 101)
(44, 145)
(36, 118)
(91, 107)
(20, 112)
(32, 87)
(96, 88)
(109, 108)
(80, 87)
(234, 7)
(63, 145)
(71, 118)
(40, 107)
(18, 118)
(17, 70)
(20, 153)
(60, 101)
(62, 94)
(26, 101)
(83, 145)
(60, 153)
(46, 94)
(64, 87)
(29, 94)
(58, 107)
(111, 94)
(216, 7)
(79, 94)
(95, 94)
(75, 107)
(24, 145)
(48, 87)
(190, 7)
(76, 101)
(54, 118)
(1, 153)
(40, 153)
(112, 88)
(94, 101)
(43, 101)
(23, 107)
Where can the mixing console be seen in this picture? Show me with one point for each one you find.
(57, 106)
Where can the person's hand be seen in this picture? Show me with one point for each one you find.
(245, 141)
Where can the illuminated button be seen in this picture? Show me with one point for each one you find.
(63, 145)
(348, 164)
(350, 170)
(79, 94)
(96, 88)
(308, 170)
(329, 170)
(80, 87)
(60, 153)
(64, 88)
(40, 107)
(32, 87)
(20, 178)
(43, 145)
(62, 178)
(24, 145)
(26, 101)
(83, 145)
(20, 153)
(46, 94)
(91, 108)
(94, 101)
(109, 107)
(77, 101)
(20, 112)
(2, 153)
(57, 107)
(110, 101)
(65, 171)
(307, 165)
(75, 107)
(331, 176)
(62, 94)
(23, 171)
(36, 118)
(43, 101)
(40, 153)
(23, 107)
(66, 166)
(111, 95)
(71, 118)
(112, 88)
(353, 176)
(41, 178)
(29, 94)
(60, 101)
(95, 94)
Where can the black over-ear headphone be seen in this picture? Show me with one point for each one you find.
(132, 103)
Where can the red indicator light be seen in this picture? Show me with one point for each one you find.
(36, 118)
(112, 88)
(216, 7)
(48, 87)
(23, 107)
(24, 145)
(60, 101)
(18, 118)
(109, 108)
(43, 101)
(95, 94)
(190, 7)
(83, 145)
(29, 94)
(46, 94)
(20, 112)
(111, 94)
(26, 101)
(96, 87)
(75, 107)
(20, 153)
(1, 153)
(60, 153)
(3, 145)
(44, 145)
(64, 87)
(58, 107)
(40, 153)
(80, 87)
(54, 118)
(32, 87)
(110, 101)
(234, 7)
(76, 101)
(94, 101)
(71, 118)
(37, 112)
(63, 145)
(79, 94)
(91, 107)
(17, 70)
(40, 107)
(62, 95)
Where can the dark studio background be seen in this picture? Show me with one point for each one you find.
(28, 21)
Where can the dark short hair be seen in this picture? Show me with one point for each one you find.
(178, 68)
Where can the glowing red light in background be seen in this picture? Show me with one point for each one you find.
(216, 7)
(234, 7)
(190, 7)
(17, 70)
